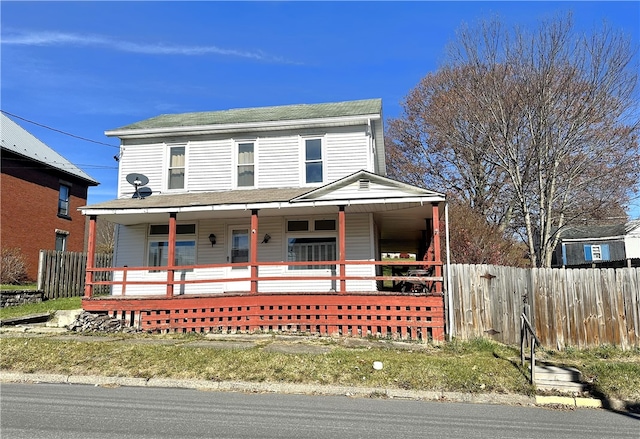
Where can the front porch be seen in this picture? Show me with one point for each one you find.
(295, 261)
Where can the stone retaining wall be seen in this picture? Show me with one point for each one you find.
(19, 297)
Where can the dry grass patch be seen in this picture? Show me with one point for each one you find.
(470, 370)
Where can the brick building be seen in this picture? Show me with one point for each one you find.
(40, 192)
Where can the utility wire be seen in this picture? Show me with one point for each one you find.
(59, 131)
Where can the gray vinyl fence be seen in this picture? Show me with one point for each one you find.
(569, 307)
(61, 273)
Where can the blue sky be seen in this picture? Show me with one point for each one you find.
(87, 67)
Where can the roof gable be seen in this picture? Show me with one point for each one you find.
(16, 139)
(366, 185)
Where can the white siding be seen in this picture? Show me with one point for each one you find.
(210, 165)
(374, 190)
(147, 159)
(131, 246)
(359, 247)
(632, 245)
(347, 152)
(279, 161)
(131, 250)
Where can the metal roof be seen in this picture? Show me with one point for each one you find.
(16, 139)
(260, 114)
(606, 231)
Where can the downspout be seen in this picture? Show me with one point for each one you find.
(372, 156)
(450, 328)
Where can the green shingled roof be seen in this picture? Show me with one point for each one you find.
(261, 114)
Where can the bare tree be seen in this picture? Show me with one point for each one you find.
(475, 241)
(105, 236)
(535, 130)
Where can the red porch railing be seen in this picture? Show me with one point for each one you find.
(415, 312)
(426, 272)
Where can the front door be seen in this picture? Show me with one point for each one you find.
(238, 253)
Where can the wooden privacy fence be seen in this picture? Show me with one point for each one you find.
(569, 307)
(61, 273)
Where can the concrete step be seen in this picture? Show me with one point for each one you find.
(558, 378)
(560, 386)
(25, 320)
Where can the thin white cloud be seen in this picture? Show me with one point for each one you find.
(70, 39)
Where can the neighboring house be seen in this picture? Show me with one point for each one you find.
(41, 193)
(599, 246)
(260, 200)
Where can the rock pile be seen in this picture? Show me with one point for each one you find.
(89, 322)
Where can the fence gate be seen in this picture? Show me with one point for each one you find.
(61, 273)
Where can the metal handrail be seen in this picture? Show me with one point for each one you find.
(527, 331)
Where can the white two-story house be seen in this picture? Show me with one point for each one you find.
(275, 200)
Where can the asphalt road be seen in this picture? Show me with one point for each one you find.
(78, 411)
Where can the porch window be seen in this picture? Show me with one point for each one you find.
(176, 167)
(185, 253)
(246, 166)
(307, 240)
(311, 249)
(313, 160)
(159, 245)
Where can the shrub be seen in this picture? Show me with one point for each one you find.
(13, 266)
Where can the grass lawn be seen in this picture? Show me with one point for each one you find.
(6, 287)
(42, 307)
(476, 366)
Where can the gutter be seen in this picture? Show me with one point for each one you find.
(234, 127)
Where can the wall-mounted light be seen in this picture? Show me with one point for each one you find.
(266, 238)
(212, 239)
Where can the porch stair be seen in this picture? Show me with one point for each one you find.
(558, 378)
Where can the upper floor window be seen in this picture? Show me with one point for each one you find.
(246, 165)
(63, 200)
(313, 160)
(176, 167)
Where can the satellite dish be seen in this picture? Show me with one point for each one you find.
(138, 180)
(143, 192)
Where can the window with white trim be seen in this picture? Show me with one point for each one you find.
(596, 252)
(246, 165)
(176, 169)
(313, 160)
(311, 240)
(159, 245)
